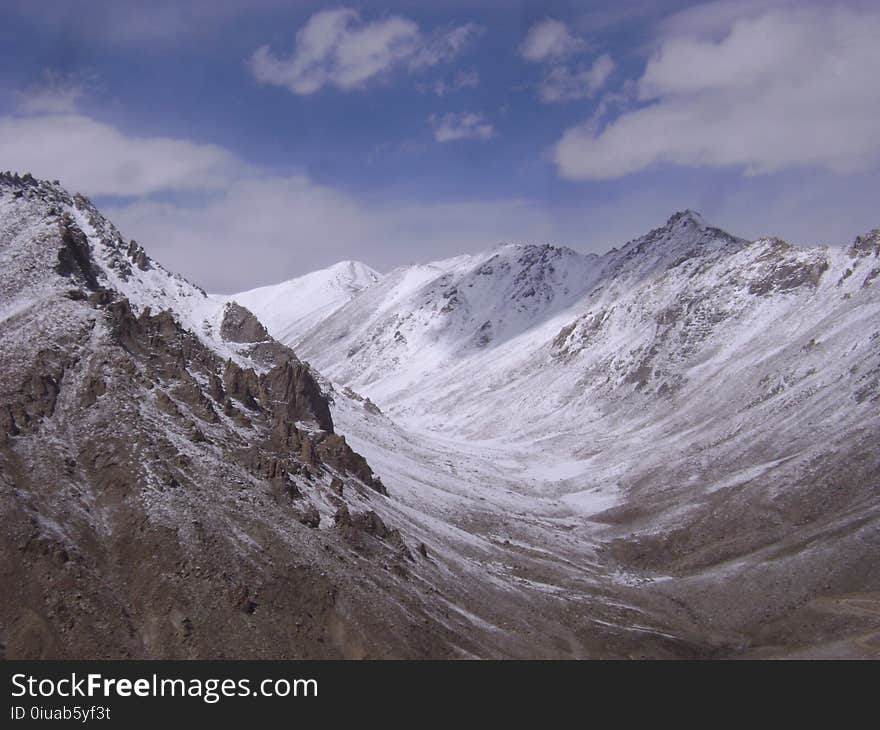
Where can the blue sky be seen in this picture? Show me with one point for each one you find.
(247, 142)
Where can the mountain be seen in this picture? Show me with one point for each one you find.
(173, 482)
(290, 308)
(700, 408)
(668, 450)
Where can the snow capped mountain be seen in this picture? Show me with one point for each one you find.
(666, 450)
(487, 314)
(577, 331)
(290, 308)
(708, 397)
(420, 319)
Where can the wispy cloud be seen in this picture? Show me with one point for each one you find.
(444, 45)
(562, 84)
(242, 237)
(337, 48)
(550, 43)
(550, 40)
(765, 90)
(461, 80)
(55, 94)
(461, 125)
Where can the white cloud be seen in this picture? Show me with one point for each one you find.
(461, 125)
(561, 84)
(97, 159)
(715, 17)
(462, 80)
(336, 48)
(54, 95)
(779, 88)
(245, 227)
(263, 231)
(445, 45)
(258, 232)
(550, 40)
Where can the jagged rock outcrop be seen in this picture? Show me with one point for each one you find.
(333, 449)
(240, 325)
(75, 258)
(295, 395)
(867, 244)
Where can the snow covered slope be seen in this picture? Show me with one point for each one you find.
(713, 401)
(548, 338)
(668, 450)
(288, 309)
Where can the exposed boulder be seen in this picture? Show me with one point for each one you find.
(309, 516)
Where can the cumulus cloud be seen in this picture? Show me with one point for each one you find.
(461, 125)
(561, 84)
(336, 48)
(776, 88)
(550, 40)
(97, 159)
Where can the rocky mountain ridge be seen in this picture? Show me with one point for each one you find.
(172, 482)
(667, 450)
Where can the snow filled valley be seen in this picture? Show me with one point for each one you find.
(668, 450)
(668, 415)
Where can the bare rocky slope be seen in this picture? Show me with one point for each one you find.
(668, 451)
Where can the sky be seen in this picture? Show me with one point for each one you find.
(245, 142)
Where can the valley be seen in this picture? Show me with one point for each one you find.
(668, 450)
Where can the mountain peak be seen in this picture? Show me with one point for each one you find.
(686, 217)
(289, 308)
(533, 249)
(355, 272)
(684, 236)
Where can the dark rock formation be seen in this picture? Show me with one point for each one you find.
(240, 325)
(295, 395)
(867, 245)
(75, 258)
(334, 450)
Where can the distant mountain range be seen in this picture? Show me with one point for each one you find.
(668, 450)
